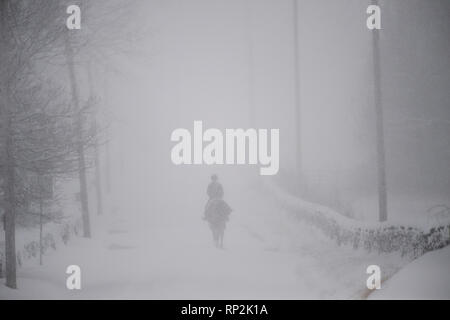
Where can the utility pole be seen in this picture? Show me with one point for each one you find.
(381, 153)
(297, 101)
(251, 62)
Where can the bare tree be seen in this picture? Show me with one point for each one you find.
(38, 129)
(103, 37)
(80, 147)
(42, 132)
(23, 37)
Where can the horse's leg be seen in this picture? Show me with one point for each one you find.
(215, 237)
(213, 234)
(222, 231)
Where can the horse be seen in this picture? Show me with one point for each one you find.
(217, 213)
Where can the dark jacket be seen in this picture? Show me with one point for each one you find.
(215, 190)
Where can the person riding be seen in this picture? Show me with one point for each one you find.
(216, 210)
(215, 189)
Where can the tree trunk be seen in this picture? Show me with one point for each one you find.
(98, 180)
(108, 167)
(80, 147)
(83, 192)
(9, 171)
(107, 143)
(10, 210)
(41, 209)
(381, 159)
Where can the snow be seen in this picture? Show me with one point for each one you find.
(268, 255)
(427, 277)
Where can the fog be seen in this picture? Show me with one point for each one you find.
(232, 64)
(216, 62)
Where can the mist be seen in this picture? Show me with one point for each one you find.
(157, 66)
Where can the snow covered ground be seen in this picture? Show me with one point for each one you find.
(428, 277)
(267, 255)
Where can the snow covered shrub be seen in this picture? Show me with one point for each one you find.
(31, 249)
(69, 230)
(48, 241)
(381, 237)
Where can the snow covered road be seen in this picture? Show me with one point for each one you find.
(267, 255)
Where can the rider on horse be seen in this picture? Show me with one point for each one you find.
(216, 210)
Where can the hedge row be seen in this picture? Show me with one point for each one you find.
(410, 241)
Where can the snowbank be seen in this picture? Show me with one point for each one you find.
(381, 237)
(427, 277)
